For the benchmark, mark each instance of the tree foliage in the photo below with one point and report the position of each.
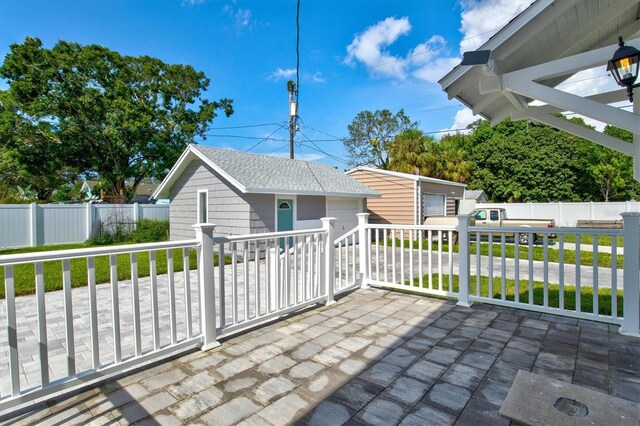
(371, 135)
(90, 109)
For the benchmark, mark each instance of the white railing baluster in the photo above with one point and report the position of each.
(187, 291)
(385, 236)
(135, 301)
(278, 281)
(440, 260)
(411, 258)
(234, 283)
(354, 269)
(155, 321)
(286, 276)
(516, 243)
(256, 286)
(347, 264)
(68, 318)
(305, 262)
(614, 276)
(479, 264)
(450, 240)
(12, 330)
(93, 313)
(561, 270)
(318, 263)
(172, 297)
(43, 343)
(596, 308)
(503, 269)
(339, 251)
(420, 258)
(545, 269)
(245, 270)
(377, 260)
(402, 266)
(430, 252)
(490, 264)
(223, 285)
(268, 278)
(577, 283)
(393, 255)
(530, 269)
(115, 309)
(296, 281)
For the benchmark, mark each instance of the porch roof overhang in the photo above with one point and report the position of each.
(541, 48)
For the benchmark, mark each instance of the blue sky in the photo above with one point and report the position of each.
(355, 55)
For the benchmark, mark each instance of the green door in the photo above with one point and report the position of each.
(285, 219)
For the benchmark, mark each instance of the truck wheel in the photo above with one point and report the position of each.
(523, 238)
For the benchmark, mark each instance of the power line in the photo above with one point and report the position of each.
(245, 126)
(268, 137)
(317, 148)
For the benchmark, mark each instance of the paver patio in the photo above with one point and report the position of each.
(374, 357)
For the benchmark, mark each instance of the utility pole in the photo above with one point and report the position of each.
(293, 114)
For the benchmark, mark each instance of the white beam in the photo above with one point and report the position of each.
(636, 141)
(603, 98)
(616, 144)
(587, 107)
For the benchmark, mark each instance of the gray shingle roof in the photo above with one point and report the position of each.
(262, 173)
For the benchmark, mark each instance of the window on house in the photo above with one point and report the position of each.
(203, 206)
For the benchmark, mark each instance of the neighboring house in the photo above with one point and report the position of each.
(406, 198)
(143, 194)
(245, 193)
(476, 195)
(88, 187)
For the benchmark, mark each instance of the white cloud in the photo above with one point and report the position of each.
(368, 48)
(242, 18)
(424, 52)
(481, 19)
(463, 118)
(589, 82)
(282, 74)
(194, 2)
(435, 70)
(317, 77)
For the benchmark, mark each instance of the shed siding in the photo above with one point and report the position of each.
(397, 202)
(262, 213)
(311, 207)
(228, 208)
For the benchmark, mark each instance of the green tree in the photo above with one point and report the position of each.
(125, 118)
(371, 135)
(411, 152)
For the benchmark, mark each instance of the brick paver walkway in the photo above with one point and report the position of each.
(374, 357)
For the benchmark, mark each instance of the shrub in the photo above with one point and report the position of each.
(150, 231)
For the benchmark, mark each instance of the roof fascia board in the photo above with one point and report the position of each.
(616, 144)
(313, 193)
(501, 37)
(167, 182)
(407, 176)
(219, 170)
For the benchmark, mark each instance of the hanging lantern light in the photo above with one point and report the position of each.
(624, 67)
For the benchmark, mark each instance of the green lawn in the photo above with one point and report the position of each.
(586, 257)
(603, 240)
(586, 293)
(25, 275)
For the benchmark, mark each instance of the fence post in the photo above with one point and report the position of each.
(363, 219)
(136, 215)
(204, 235)
(631, 270)
(464, 260)
(33, 224)
(328, 224)
(89, 216)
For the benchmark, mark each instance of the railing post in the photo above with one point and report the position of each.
(204, 235)
(631, 270)
(365, 245)
(464, 260)
(328, 224)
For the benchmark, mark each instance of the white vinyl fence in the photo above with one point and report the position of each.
(566, 214)
(23, 225)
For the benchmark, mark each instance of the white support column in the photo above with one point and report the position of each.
(328, 224)
(631, 283)
(208, 317)
(365, 245)
(464, 260)
(33, 224)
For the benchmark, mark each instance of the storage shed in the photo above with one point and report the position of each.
(246, 193)
(406, 198)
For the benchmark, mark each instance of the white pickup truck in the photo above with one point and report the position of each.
(496, 217)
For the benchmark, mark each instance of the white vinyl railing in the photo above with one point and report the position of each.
(111, 335)
(407, 257)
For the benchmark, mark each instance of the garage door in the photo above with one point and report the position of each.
(344, 210)
(433, 205)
